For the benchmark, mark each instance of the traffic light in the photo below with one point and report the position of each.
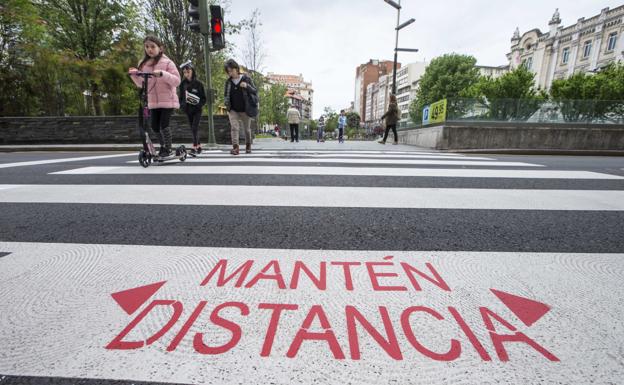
(198, 17)
(193, 16)
(217, 32)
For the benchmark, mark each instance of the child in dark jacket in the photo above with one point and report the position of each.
(192, 99)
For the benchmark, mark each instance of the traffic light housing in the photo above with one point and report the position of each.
(217, 32)
(198, 16)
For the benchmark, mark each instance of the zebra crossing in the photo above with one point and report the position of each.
(311, 265)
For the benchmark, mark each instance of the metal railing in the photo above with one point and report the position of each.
(532, 111)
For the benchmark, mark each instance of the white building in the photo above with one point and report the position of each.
(493, 72)
(407, 83)
(297, 85)
(383, 95)
(587, 46)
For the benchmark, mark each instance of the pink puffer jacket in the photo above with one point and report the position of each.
(161, 91)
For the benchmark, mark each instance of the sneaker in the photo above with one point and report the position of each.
(165, 153)
(382, 142)
(395, 143)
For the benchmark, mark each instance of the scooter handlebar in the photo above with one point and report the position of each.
(145, 74)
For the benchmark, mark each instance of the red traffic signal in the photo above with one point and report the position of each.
(216, 27)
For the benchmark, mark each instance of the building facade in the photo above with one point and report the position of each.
(493, 72)
(378, 93)
(407, 84)
(365, 74)
(587, 46)
(384, 90)
(300, 92)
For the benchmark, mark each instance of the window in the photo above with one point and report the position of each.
(587, 49)
(611, 42)
(528, 63)
(565, 57)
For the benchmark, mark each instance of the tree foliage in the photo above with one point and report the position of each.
(273, 105)
(446, 77)
(584, 98)
(70, 57)
(511, 96)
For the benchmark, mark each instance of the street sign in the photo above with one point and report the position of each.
(437, 112)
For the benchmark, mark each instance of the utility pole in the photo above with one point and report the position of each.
(399, 26)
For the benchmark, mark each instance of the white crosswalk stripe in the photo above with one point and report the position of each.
(351, 171)
(310, 196)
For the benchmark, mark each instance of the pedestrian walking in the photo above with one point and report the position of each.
(192, 99)
(320, 137)
(294, 117)
(342, 124)
(161, 92)
(241, 101)
(392, 118)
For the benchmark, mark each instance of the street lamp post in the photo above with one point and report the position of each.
(399, 26)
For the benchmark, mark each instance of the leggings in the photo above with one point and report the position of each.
(193, 118)
(160, 125)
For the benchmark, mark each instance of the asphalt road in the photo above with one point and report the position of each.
(546, 228)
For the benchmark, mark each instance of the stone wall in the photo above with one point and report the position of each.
(97, 130)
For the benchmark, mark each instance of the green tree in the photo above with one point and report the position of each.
(446, 77)
(353, 120)
(273, 105)
(331, 119)
(87, 29)
(21, 32)
(584, 97)
(512, 96)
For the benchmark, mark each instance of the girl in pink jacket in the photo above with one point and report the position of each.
(161, 89)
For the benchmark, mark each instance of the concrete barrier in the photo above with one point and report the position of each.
(516, 136)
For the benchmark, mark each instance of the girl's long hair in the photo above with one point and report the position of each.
(160, 45)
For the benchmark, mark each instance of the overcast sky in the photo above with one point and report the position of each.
(325, 40)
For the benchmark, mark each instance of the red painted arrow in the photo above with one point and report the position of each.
(132, 299)
(528, 310)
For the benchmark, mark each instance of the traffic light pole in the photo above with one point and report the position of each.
(212, 143)
(209, 28)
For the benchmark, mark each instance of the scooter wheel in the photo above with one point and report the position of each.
(144, 160)
(183, 157)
